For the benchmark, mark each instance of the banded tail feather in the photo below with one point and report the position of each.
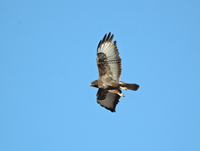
(130, 86)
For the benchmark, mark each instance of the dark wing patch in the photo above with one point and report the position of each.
(102, 64)
(108, 60)
(107, 99)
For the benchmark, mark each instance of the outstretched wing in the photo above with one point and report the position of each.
(107, 99)
(108, 60)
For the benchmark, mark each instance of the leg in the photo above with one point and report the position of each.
(121, 94)
(117, 92)
(124, 88)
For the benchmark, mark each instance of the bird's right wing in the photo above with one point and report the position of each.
(107, 99)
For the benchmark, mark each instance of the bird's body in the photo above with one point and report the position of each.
(109, 66)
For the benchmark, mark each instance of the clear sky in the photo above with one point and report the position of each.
(48, 59)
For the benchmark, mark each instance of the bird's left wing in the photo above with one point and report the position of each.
(108, 60)
(107, 99)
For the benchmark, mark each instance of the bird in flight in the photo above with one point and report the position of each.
(109, 66)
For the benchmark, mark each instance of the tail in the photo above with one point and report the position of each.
(129, 86)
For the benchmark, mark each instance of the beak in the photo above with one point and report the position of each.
(90, 84)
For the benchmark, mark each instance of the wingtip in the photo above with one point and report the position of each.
(108, 37)
(111, 38)
(115, 43)
(112, 110)
(104, 38)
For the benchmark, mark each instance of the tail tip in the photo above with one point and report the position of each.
(137, 86)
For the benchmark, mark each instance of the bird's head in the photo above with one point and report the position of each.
(94, 84)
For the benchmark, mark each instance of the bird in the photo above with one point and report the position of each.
(110, 70)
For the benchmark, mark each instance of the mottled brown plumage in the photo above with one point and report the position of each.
(109, 66)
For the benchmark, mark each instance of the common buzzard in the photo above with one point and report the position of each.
(109, 66)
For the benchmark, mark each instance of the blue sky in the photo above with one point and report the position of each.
(48, 59)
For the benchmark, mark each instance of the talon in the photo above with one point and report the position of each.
(121, 94)
(124, 88)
